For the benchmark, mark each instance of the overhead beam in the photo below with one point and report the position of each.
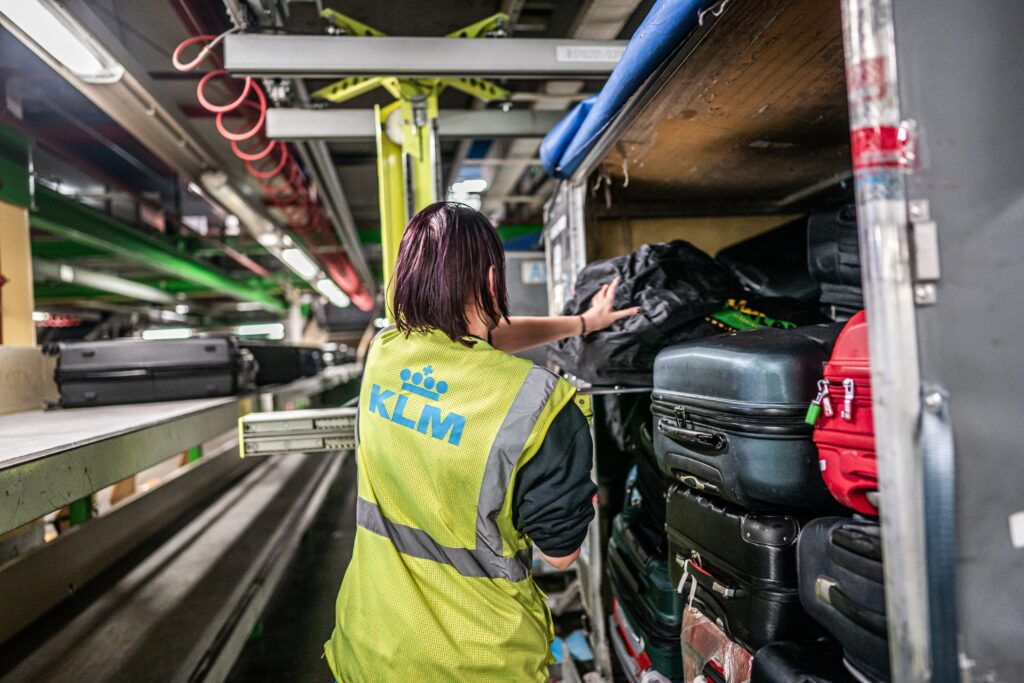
(73, 221)
(64, 272)
(359, 124)
(295, 56)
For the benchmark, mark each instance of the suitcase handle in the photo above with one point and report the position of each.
(706, 440)
(828, 592)
(708, 582)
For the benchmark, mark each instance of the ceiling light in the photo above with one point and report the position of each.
(470, 186)
(181, 309)
(168, 333)
(268, 330)
(300, 262)
(56, 32)
(66, 273)
(333, 293)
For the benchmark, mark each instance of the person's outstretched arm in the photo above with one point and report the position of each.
(552, 502)
(524, 332)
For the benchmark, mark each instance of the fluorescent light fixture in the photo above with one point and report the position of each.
(40, 316)
(333, 293)
(268, 330)
(269, 239)
(168, 333)
(300, 262)
(57, 33)
(469, 186)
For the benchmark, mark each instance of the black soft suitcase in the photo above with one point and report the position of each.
(841, 302)
(744, 565)
(281, 363)
(773, 263)
(833, 250)
(729, 415)
(814, 661)
(841, 585)
(138, 371)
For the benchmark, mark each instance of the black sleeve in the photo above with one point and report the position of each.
(552, 502)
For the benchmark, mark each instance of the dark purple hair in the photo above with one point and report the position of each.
(443, 262)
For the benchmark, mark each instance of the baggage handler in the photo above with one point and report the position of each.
(468, 458)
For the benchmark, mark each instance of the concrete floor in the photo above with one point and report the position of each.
(288, 645)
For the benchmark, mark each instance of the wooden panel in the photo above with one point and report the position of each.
(612, 237)
(756, 113)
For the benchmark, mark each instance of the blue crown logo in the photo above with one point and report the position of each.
(422, 383)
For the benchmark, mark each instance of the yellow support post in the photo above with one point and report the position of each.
(16, 294)
(393, 211)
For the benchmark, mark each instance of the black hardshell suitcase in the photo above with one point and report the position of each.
(281, 363)
(744, 564)
(138, 371)
(773, 263)
(833, 249)
(841, 585)
(814, 661)
(729, 415)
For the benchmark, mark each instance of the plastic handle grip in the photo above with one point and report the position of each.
(704, 440)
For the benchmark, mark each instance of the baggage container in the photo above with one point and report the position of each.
(729, 414)
(281, 363)
(815, 661)
(708, 652)
(99, 373)
(846, 438)
(841, 586)
(739, 566)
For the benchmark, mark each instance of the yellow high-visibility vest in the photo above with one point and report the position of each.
(439, 587)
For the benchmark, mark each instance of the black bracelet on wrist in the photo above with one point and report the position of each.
(583, 326)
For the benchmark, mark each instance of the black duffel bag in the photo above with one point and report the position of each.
(676, 285)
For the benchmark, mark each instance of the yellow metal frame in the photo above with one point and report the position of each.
(408, 174)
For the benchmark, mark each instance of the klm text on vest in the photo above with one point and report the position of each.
(395, 407)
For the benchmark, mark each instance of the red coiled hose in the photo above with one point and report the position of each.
(283, 181)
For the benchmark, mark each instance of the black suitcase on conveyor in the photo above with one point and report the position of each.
(281, 363)
(841, 585)
(729, 415)
(774, 263)
(639, 579)
(816, 661)
(744, 564)
(117, 371)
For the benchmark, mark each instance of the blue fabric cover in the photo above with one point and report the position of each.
(665, 27)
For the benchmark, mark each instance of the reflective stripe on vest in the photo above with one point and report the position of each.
(487, 559)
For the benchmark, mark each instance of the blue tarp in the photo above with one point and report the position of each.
(666, 26)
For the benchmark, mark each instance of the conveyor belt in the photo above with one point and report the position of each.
(184, 611)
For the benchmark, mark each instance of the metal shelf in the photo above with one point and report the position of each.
(51, 458)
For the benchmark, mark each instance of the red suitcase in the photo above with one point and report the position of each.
(846, 437)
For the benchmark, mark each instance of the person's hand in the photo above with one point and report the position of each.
(602, 311)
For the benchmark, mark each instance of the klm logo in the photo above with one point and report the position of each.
(430, 421)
